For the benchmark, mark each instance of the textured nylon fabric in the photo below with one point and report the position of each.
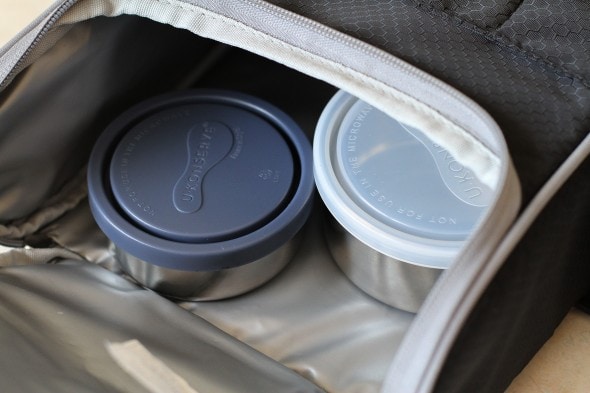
(527, 64)
(557, 31)
(487, 14)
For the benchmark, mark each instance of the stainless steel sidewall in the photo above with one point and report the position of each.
(208, 285)
(396, 283)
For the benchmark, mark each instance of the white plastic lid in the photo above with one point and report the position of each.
(392, 187)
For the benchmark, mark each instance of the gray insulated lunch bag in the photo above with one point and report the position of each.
(291, 196)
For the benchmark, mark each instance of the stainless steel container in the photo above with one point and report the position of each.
(397, 283)
(208, 285)
(202, 192)
(401, 205)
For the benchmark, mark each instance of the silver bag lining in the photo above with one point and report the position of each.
(310, 318)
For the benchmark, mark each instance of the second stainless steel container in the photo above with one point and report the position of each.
(401, 206)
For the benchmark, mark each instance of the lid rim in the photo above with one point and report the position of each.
(175, 172)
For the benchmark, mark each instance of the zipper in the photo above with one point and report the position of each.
(57, 14)
(409, 70)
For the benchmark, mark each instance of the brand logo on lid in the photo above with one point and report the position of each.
(207, 144)
(459, 179)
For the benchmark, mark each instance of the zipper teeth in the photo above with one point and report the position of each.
(408, 69)
(352, 42)
(402, 66)
(331, 34)
(63, 8)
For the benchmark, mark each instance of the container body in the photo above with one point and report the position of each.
(400, 205)
(202, 192)
(207, 285)
(397, 283)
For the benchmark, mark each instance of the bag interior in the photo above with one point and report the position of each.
(309, 318)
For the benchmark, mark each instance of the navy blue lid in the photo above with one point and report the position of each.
(201, 180)
(201, 172)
